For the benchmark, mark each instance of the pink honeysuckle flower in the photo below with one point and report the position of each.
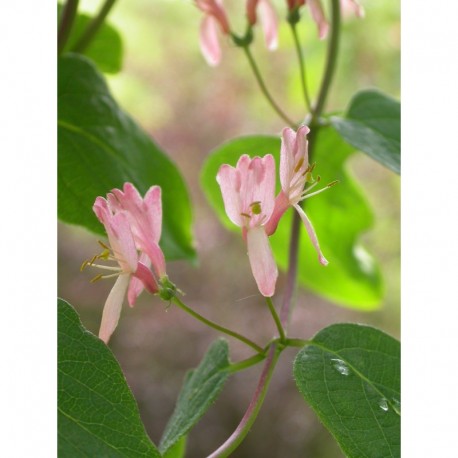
(352, 6)
(316, 10)
(133, 273)
(145, 219)
(295, 173)
(268, 19)
(248, 191)
(215, 16)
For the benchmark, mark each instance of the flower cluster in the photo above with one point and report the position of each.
(133, 225)
(248, 192)
(215, 17)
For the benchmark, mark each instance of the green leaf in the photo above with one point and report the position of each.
(350, 375)
(340, 215)
(178, 450)
(105, 49)
(373, 125)
(97, 414)
(200, 389)
(100, 147)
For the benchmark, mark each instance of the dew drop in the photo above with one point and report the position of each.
(383, 404)
(396, 405)
(340, 366)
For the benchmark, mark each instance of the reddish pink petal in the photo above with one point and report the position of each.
(112, 309)
(312, 234)
(269, 23)
(318, 16)
(251, 11)
(136, 285)
(156, 256)
(281, 205)
(209, 42)
(262, 263)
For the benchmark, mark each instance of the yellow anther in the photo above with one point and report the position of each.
(246, 215)
(103, 245)
(83, 266)
(105, 254)
(333, 183)
(96, 278)
(299, 165)
(256, 208)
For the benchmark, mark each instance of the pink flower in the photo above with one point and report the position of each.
(352, 6)
(295, 173)
(248, 191)
(215, 16)
(268, 18)
(132, 272)
(316, 10)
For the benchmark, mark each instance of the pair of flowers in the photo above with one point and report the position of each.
(248, 192)
(215, 17)
(133, 225)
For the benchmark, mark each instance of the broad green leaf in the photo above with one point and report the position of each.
(200, 389)
(350, 375)
(100, 147)
(340, 215)
(97, 414)
(178, 450)
(373, 125)
(105, 49)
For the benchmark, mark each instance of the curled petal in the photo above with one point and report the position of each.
(316, 10)
(156, 256)
(112, 309)
(122, 242)
(262, 262)
(209, 42)
(281, 205)
(312, 234)
(269, 24)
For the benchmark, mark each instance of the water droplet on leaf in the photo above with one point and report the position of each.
(340, 366)
(383, 404)
(396, 405)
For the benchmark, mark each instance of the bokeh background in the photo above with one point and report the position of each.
(190, 108)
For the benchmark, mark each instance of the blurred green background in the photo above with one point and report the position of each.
(190, 108)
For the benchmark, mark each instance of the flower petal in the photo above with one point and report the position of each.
(209, 42)
(262, 263)
(112, 309)
(229, 181)
(143, 278)
(153, 206)
(269, 24)
(122, 242)
(281, 205)
(312, 234)
(316, 10)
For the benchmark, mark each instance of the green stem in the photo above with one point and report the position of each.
(276, 319)
(246, 363)
(66, 23)
(301, 67)
(331, 58)
(296, 342)
(213, 325)
(93, 27)
(264, 89)
(253, 409)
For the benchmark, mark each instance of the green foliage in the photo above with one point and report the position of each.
(178, 450)
(340, 215)
(105, 49)
(350, 376)
(373, 125)
(100, 147)
(200, 389)
(97, 414)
